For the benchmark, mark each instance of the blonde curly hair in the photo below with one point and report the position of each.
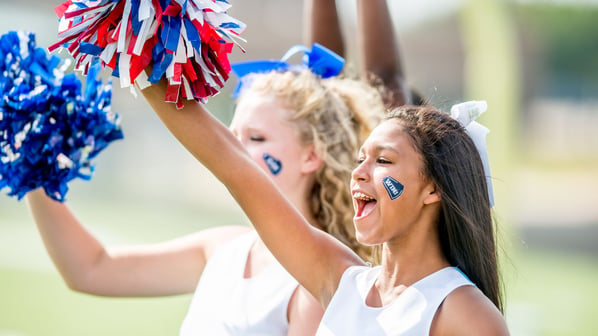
(334, 115)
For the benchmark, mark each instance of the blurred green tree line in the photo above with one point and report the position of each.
(568, 37)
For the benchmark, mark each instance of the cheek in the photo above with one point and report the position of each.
(394, 189)
(273, 164)
(255, 153)
(268, 158)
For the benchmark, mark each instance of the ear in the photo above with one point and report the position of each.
(432, 195)
(311, 160)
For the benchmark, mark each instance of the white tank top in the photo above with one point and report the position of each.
(411, 313)
(225, 303)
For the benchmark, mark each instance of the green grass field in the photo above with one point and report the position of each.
(551, 293)
(35, 301)
(548, 292)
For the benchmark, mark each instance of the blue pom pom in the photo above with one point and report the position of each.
(50, 130)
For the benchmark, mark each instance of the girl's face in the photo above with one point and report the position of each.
(388, 188)
(261, 124)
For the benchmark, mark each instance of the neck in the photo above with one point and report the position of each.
(408, 259)
(405, 267)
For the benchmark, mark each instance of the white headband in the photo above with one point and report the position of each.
(466, 113)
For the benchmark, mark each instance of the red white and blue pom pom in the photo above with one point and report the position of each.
(50, 130)
(186, 41)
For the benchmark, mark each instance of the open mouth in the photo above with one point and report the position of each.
(365, 204)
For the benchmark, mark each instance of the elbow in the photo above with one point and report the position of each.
(78, 284)
(86, 278)
(75, 287)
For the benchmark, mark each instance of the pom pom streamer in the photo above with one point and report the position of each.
(50, 130)
(185, 41)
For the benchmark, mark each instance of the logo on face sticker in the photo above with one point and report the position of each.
(273, 164)
(393, 187)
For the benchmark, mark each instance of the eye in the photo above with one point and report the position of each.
(257, 138)
(382, 160)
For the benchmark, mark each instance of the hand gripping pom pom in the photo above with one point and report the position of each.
(49, 129)
(182, 40)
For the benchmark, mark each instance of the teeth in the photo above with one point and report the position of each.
(362, 196)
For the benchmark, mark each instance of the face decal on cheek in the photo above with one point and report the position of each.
(274, 165)
(393, 187)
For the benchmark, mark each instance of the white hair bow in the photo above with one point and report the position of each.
(466, 113)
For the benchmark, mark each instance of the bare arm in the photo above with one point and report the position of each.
(322, 25)
(313, 257)
(379, 49)
(167, 268)
(467, 311)
(305, 313)
(377, 43)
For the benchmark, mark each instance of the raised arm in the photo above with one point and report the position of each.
(167, 268)
(313, 257)
(379, 49)
(321, 25)
(377, 43)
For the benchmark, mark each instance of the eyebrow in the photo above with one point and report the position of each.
(253, 128)
(381, 148)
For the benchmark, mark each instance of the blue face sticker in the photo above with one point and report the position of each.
(393, 187)
(273, 164)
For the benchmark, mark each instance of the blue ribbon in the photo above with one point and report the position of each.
(319, 59)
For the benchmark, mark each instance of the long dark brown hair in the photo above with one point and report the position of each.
(452, 162)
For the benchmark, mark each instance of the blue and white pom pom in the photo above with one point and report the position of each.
(50, 130)
(185, 41)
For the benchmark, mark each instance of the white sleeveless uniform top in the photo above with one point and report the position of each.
(225, 303)
(411, 313)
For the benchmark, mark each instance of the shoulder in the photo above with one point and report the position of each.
(227, 232)
(359, 274)
(467, 311)
(213, 238)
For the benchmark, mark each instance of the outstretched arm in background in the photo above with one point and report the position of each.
(377, 44)
(379, 49)
(303, 250)
(167, 268)
(321, 25)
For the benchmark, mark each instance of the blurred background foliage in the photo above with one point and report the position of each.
(536, 62)
(569, 39)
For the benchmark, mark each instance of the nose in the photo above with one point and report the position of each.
(360, 172)
(237, 135)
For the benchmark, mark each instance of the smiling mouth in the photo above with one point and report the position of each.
(365, 204)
